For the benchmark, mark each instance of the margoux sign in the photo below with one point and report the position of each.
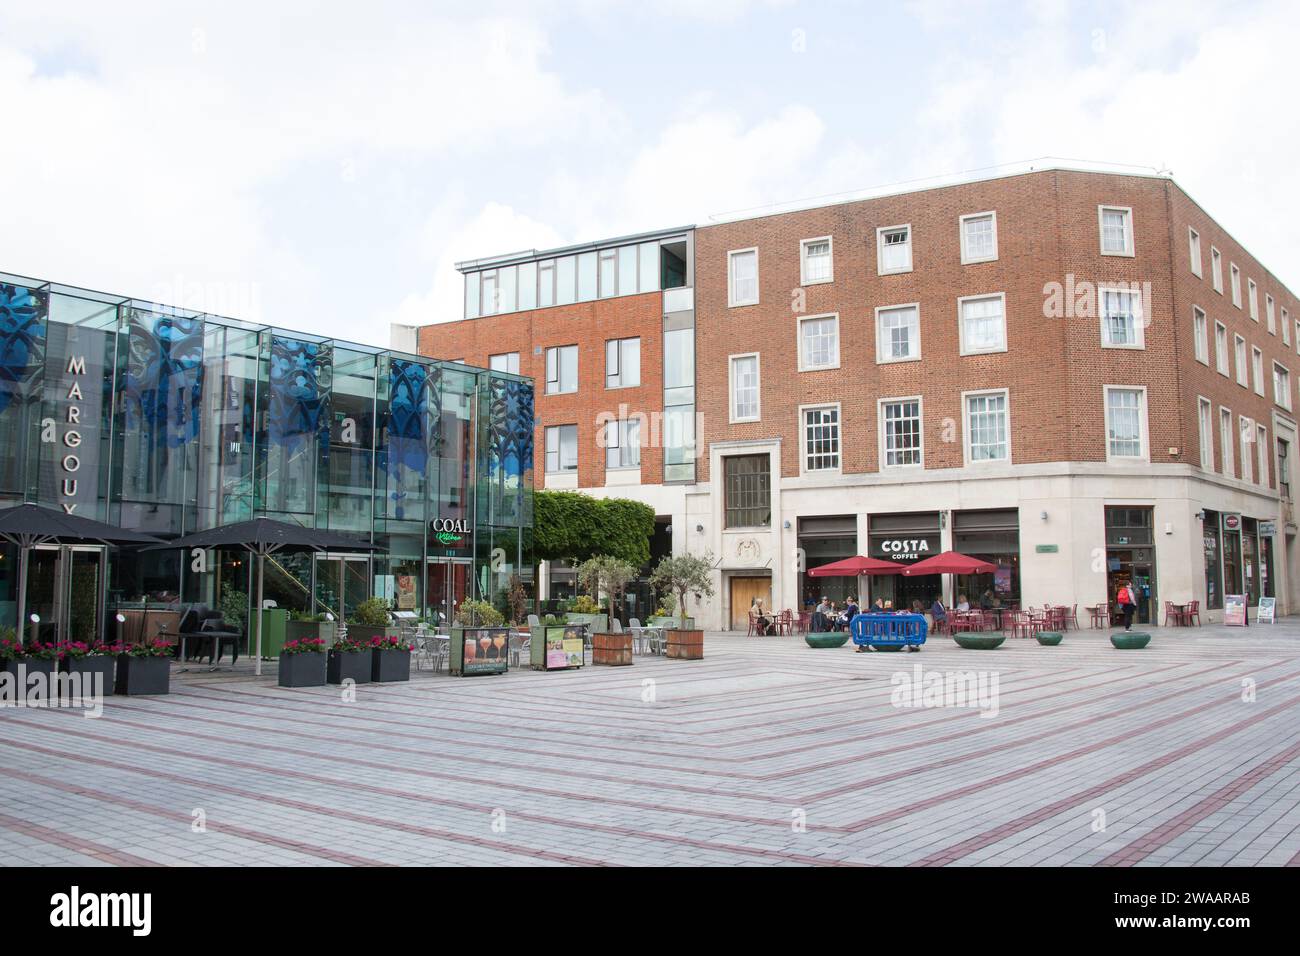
(70, 462)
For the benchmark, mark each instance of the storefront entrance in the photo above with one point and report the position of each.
(743, 592)
(448, 582)
(905, 539)
(66, 590)
(1131, 558)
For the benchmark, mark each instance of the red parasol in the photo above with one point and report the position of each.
(950, 562)
(851, 567)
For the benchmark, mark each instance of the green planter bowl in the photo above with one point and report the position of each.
(1049, 638)
(1130, 640)
(826, 639)
(979, 642)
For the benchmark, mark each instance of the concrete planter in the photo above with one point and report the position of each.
(143, 675)
(827, 639)
(979, 642)
(1130, 640)
(348, 665)
(302, 670)
(88, 667)
(1049, 638)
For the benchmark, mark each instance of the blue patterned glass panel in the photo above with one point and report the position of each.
(297, 423)
(22, 342)
(407, 457)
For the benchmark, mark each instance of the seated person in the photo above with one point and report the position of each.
(821, 616)
(962, 603)
(917, 608)
(938, 613)
(878, 606)
(849, 613)
(986, 600)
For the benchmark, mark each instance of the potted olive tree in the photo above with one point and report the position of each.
(684, 574)
(608, 576)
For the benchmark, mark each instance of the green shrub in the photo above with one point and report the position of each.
(372, 612)
(584, 604)
(479, 614)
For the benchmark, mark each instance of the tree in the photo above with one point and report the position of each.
(606, 574)
(682, 574)
(571, 526)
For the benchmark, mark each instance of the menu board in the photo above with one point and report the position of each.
(1267, 610)
(1234, 610)
(562, 648)
(480, 650)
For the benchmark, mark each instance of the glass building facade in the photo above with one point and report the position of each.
(169, 422)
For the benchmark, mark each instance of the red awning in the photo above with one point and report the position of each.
(950, 562)
(852, 567)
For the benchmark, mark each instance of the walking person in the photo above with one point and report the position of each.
(1127, 603)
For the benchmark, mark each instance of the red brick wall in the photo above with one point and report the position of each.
(587, 325)
(1054, 368)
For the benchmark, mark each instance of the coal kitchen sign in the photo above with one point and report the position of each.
(450, 532)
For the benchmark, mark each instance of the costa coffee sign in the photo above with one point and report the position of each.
(907, 549)
(1231, 522)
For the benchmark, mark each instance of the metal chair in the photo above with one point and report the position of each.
(1193, 613)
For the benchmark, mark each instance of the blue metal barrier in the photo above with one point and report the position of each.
(889, 631)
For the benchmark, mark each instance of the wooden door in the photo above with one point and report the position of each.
(743, 592)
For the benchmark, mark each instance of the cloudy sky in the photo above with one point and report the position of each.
(321, 166)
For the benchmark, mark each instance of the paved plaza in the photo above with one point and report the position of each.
(766, 752)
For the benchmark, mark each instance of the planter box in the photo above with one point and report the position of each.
(596, 623)
(612, 650)
(364, 632)
(302, 670)
(1049, 638)
(139, 676)
(1130, 640)
(827, 639)
(685, 645)
(389, 666)
(979, 642)
(88, 667)
(327, 631)
(23, 670)
(342, 665)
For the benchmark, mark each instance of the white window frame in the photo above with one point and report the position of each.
(1216, 270)
(1227, 442)
(1234, 277)
(507, 356)
(803, 260)
(559, 450)
(1270, 316)
(558, 349)
(1262, 455)
(1194, 251)
(966, 258)
(881, 357)
(621, 429)
(1257, 368)
(803, 439)
(733, 418)
(1139, 318)
(1222, 359)
(621, 363)
(1246, 436)
(881, 450)
(1241, 355)
(963, 347)
(732, 301)
(1284, 398)
(1205, 423)
(880, 249)
(803, 365)
(1129, 245)
(1201, 334)
(966, 430)
(1252, 299)
(1144, 454)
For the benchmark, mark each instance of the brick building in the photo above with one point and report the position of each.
(1078, 376)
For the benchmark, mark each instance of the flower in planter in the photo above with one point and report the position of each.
(37, 651)
(76, 650)
(391, 644)
(148, 649)
(350, 645)
(307, 645)
(11, 650)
